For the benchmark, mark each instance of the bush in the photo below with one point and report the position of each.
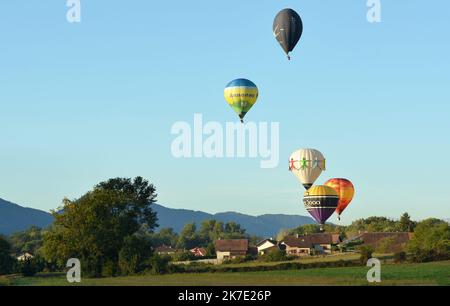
(237, 260)
(399, 257)
(431, 241)
(133, 257)
(183, 256)
(109, 269)
(275, 256)
(366, 252)
(159, 264)
(7, 262)
(28, 267)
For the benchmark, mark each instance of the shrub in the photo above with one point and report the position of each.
(159, 264)
(183, 256)
(109, 269)
(28, 267)
(431, 241)
(274, 256)
(7, 262)
(366, 252)
(399, 257)
(133, 257)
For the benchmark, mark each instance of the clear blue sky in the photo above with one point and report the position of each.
(80, 103)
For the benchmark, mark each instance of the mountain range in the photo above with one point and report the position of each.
(14, 218)
(264, 225)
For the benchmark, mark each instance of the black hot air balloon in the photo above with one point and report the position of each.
(287, 29)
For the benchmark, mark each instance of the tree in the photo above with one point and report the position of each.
(366, 252)
(166, 236)
(372, 224)
(405, 223)
(188, 238)
(142, 195)
(28, 241)
(134, 254)
(95, 227)
(283, 233)
(431, 241)
(234, 230)
(210, 231)
(7, 262)
(30, 266)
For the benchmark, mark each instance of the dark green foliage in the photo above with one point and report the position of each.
(28, 241)
(188, 237)
(282, 266)
(134, 255)
(191, 237)
(7, 262)
(97, 227)
(166, 236)
(275, 256)
(366, 252)
(405, 224)
(400, 257)
(431, 241)
(30, 266)
(159, 264)
(183, 256)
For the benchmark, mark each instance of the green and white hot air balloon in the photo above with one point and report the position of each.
(307, 165)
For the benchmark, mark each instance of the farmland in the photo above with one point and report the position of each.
(436, 273)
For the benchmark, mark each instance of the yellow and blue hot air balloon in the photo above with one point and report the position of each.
(241, 95)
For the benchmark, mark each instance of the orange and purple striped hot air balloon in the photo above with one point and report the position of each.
(345, 190)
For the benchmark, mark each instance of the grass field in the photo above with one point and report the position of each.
(437, 273)
(306, 260)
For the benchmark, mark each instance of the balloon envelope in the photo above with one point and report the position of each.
(241, 95)
(307, 165)
(345, 190)
(321, 202)
(287, 29)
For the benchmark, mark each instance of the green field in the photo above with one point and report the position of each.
(437, 273)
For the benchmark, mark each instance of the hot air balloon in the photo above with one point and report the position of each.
(241, 95)
(307, 165)
(321, 202)
(287, 29)
(345, 190)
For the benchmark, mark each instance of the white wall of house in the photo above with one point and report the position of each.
(221, 256)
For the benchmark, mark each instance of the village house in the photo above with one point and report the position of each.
(321, 243)
(231, 248)
(198, 252)
(24, 257)
(296, 246)
(266, 246)
(165, 250)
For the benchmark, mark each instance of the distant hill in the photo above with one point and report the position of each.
(264, 225)
(15, 218)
